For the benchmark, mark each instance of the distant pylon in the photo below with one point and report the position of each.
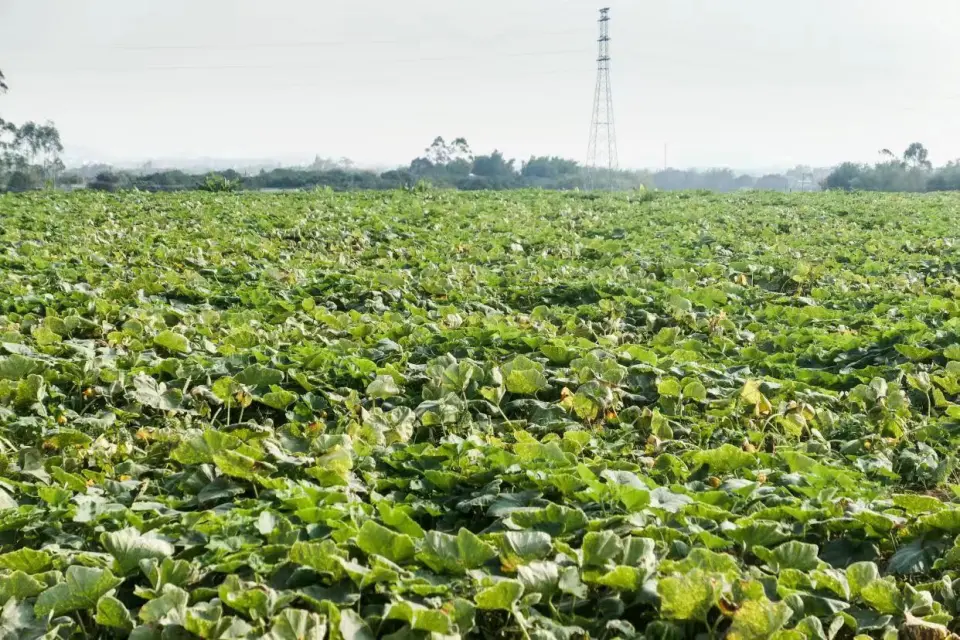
(602, 150)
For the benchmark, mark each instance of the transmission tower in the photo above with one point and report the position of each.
(602, 149)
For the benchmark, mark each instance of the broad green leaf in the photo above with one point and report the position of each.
(17, 367)
(883, 596)
(375, 538)
(523, 376)
(503, 595)
(297, 624)
(669, 387)
(172, 342)
(725, 459)
(128, 547)
(695, 391)
(860, 574)
(759, 620)
(791, 555)
(383, 386)
(600, 548)
(112, 613)
(26, 560)
(156, 395)
(420, 618)
(687, 597)
(539, 577)
(353, 627)
(278, 398)
(915, 352)
(443, 552)
(19, 586)
(553, 519)
(81, 588)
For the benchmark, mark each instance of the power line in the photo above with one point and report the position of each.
(288, 67)
(328, 43)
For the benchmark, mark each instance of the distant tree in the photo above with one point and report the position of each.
(845, 177)
(946, 178)
(27, 150)
(105, 181)
(773, 182)
(441, 153)
(493, 166)
(548, 167)
(24, 180)
(916, 156)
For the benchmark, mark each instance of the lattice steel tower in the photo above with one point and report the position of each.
(602, 149)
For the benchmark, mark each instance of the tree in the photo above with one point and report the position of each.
(493, 166)
(441, 153)
(773, 182)
(28, 151)
(846, 177)
(548, 167)
(916, 156)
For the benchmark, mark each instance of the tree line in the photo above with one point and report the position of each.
(443, 164)
(910, 171)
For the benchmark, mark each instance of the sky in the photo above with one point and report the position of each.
(748, 84)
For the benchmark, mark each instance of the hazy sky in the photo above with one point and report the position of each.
(740, 83)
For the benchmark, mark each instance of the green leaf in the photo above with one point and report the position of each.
(156, 395)
(172, 342)
(17, 367)
(911, 558)
(443, 552)
(523, 546)
(81, 588)
(946, 520)
(7, 501)
(112, 613)
(374, 538)
(257, 375)
(353, 627)
(168, 609)
(914, 352)
(19, 586)
(128, 547)
(759, 620)
(420, 618)
(725, 459)
(695, 391)
(523, 376)
(553, 519)
(26, 560)
(622, 578)
(320, 556)
(791, 555)
(383, 387)
(883, 596)
(30, 390)
(503, 595)
(669, 387)
(297, 624)
(539, 577)
(278, 398)
(600, 547)
(860, 574)
(687, 597)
